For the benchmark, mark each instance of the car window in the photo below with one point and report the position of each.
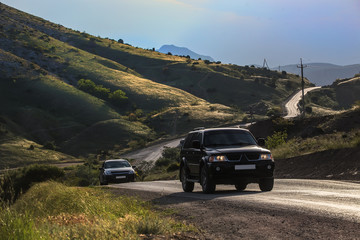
(190, 138)
(119, 164)
(187, 143)
(228, 138)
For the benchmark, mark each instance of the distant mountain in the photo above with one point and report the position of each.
(183, 51)
(323, 74)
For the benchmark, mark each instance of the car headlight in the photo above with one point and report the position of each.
(266, 156)
(107, 172)
(131, 172)
(219, 158)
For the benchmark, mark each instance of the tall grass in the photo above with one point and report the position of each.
(299, 146)
(52, 210)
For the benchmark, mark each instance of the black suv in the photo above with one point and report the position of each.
(225, 156)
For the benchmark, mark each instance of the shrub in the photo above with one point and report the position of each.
(90, 87)
(173, 167)
(132, 117)
(169, 156)
(15, 182)
(118, 97)
(274, 112)
(50, 145)
(275, 140)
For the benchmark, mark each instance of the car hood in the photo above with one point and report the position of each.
(231, 149)
(124, 169)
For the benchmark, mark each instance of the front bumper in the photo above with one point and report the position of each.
(234, 172)
(119, 178)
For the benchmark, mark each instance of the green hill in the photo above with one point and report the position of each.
(341, 95)
(41, 64)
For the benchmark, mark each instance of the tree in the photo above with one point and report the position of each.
(121, 41)
(118, 97)
(89, 86)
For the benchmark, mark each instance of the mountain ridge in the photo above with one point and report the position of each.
(182, 51)
(323, 74)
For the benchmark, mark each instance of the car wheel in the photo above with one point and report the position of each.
(241, 186)
(186, 185)
(207, 184)
(102, 181)
(266, 184)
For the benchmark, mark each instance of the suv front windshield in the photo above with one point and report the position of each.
(119, 164)
(228, 138)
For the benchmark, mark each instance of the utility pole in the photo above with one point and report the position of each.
(265, 65)
(302, 85)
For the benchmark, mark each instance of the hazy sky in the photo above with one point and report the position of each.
(232, 31)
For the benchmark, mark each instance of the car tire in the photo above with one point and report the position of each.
(241, 186)
(266, 184)
(103, 182)
(207, 184)
(186, 185)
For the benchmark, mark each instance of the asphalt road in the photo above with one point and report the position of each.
(292, 105)
(325, 198)
(152, 153)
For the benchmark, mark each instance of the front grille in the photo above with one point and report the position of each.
(119, 172)
(252, 156)
(233, 156)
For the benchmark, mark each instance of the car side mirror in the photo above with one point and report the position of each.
(261, 142)
(133, 167)
(182, 142)
(196, 144)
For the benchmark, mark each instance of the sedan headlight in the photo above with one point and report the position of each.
(219, 158)
(266, 156)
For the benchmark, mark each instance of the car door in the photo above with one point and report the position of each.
(195, 154)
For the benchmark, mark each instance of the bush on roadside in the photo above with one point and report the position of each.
(15, 182)
(275, 140)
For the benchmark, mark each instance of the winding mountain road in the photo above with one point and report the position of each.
(291, 106)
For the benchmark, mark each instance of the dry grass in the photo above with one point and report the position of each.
(19, 152)
(53, 211)
(299, 146)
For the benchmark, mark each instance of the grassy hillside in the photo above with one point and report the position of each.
(42, 63)
(341, 95)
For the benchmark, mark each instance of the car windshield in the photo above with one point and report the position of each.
(228, 138)
(117, 164)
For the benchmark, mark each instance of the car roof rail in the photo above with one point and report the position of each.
(198, 128)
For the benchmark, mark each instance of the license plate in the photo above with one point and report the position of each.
(245, 167)
(120, 177)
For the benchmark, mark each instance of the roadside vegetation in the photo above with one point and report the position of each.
(291, 138)
(302, 146)
(37, 202)
(165, 168)
(51, 210)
